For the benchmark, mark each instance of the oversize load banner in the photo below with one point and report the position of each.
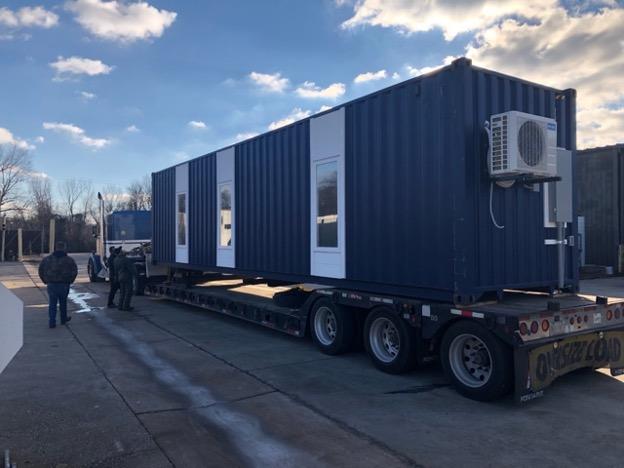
(548, 362)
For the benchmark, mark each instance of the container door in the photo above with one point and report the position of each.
(181, 190)
(327, 197)
(225, 209)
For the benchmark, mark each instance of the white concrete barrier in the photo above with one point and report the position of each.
(11, 326)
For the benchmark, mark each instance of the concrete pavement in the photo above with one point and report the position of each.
(171, 385)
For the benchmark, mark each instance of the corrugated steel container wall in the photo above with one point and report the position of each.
(163, 219)
(399, 194)
(202, 211)
(273, 202)
(515, 256)
(600, 188)
(416, 192)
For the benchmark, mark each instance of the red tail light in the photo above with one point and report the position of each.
(545, 325)
(534, 327)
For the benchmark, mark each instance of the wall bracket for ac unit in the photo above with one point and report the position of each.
(526, 178)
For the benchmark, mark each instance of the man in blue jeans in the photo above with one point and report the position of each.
(58, 271)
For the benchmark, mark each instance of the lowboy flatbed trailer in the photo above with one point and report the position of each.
(521, 342)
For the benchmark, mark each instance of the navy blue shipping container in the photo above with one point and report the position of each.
(387, 193)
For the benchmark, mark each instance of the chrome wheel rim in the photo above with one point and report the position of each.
(325, 325)
(470, 360)
(384, 339)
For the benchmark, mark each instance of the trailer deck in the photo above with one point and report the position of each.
(531, 324)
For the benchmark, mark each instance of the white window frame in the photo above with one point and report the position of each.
(327, 144)
(219, 189)
(313, 169)
(182, 187)
(185, 245)
(226, 160)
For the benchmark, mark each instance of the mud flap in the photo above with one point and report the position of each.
(523, 391)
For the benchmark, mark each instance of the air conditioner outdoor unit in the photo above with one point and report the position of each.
(522, 144)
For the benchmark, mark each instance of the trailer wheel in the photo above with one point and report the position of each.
(332, 327)
(390, 342)
(479, 365)
(91, 272)
(138, 285)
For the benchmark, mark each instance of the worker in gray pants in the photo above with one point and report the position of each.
(126, 273)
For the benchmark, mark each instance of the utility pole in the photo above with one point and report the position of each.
(52, 234)
(20, 245)
(3, 236)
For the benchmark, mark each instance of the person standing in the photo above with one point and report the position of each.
(58, 271)
(112, 276)
(126, 272)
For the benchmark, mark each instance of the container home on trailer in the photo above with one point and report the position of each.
(388, 193)
(600, 188)
(434, 218)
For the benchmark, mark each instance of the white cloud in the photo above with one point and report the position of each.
(74, 66)
(582, 51)
(120, 20)
(245, 136)
(133, 129)
(180, 156)
(28, 17)
(324, 108)
(396, 76)
(7, 138)
(580, 47)
(87, 96)
(370, 76)
(452, 18)
(296, 114)
(415, 71)
(197, 125)
(38, 175)
(77, 134)
(274, 83)
(39, 139)
(310, 90)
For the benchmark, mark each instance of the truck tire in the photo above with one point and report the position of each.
(478, 364)
(390, 342)
(138, 286)
(332, 327)
(91, 271)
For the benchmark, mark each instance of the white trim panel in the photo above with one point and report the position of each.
(226, 255)
(11, 326)
(327, 145)
(181, 187)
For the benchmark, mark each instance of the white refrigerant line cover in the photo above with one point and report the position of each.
(226, 255)
(182, 187)
(327, 144)
(11, 326)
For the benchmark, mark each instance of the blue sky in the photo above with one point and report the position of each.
(142, 72)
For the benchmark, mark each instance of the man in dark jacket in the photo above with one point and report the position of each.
(126, 272)
(112, 276)
(58, 271)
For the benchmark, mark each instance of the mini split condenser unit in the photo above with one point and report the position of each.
(522, 144)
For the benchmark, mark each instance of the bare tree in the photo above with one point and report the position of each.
(114, 199)
(140, 194)
(71, 192)
(15, 164)
(41, 198)
(89, 204)
(147, 191)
